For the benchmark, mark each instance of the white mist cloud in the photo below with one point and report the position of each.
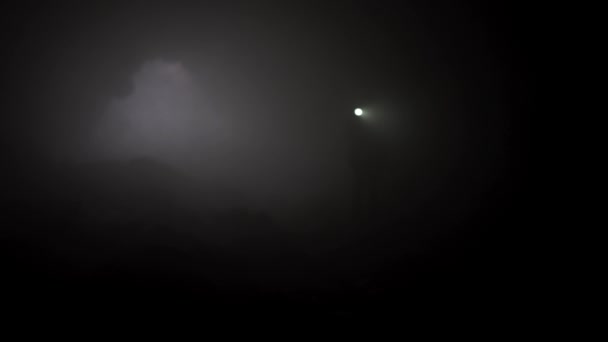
(168, 117)
(164, 117)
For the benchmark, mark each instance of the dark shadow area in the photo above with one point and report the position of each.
(140, 233)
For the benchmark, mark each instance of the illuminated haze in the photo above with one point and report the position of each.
(260, 104)
(168, 117)
(318, 158)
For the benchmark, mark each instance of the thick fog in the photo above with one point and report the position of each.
(168, 117)
(161, 119)
(214, 145)
(257, 101)
(256, 105)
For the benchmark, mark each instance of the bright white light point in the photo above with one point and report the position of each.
(358, 112)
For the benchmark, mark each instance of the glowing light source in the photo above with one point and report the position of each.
(358, 112)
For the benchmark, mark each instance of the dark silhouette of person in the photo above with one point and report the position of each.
(365, 161)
